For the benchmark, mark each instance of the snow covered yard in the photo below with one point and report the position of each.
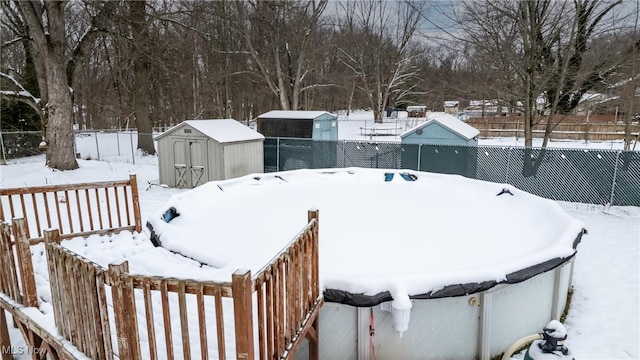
(603, 321)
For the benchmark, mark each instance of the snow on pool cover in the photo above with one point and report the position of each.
(382, 237)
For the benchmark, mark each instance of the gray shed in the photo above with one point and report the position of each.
(317, 125)
(197, 151)
(442, 129)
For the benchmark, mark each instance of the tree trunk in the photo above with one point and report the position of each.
(59, 130)
(141, 74)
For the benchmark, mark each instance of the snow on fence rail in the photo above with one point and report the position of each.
(76, 210)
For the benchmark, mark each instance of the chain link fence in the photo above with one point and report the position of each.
(17, 144)
(575, 175)
(595, 176)
(104, 145)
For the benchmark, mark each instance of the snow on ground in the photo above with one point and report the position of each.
(603, 321)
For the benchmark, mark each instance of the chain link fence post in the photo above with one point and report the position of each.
(118, 140)
(4, 157)
(277, 154)
(344, 153)
(615, 174)
(133, 153)
(506, 176)
(95, 135)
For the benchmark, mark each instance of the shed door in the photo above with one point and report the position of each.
(180, 165)
(189, 161)
(197, 160)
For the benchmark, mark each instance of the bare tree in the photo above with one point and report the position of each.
(276, 35)
(377, 41)
(50, 40)
(540, 46)
(632, 84)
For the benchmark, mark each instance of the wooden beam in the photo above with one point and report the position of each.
(25, 263)
(243, 313)
(136, 203)
(63, 348)
(120, 310)
(5, 340)
(52, 188)
(308, 329)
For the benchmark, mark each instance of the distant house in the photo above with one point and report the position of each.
(589, 102)
(452, 107)
(197, 151)
(317, 125)
(417, 111)
(482, 108)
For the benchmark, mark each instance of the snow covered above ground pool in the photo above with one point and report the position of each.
(402, 236)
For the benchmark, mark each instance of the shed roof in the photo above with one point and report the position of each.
(221, 130)
(449, 121)
(293, 114)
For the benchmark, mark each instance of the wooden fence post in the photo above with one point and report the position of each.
(25, 263)
(5, 341)
(242, 289)
(314, 331)
(124, 312)
(8, 273)
(136, 202)
(53, 237)
(315, 263)
(313, 214)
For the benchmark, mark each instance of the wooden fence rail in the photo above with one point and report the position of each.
(76, 210)
(514, 127)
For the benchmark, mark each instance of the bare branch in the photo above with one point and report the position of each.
(11, 42)
(21, 94)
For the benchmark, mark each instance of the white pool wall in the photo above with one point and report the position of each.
(477, 326)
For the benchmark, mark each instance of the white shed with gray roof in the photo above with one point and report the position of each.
(197, 151)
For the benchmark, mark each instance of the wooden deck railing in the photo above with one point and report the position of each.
(287, 293)
(75, 210)
(18, 291)
(147, 312)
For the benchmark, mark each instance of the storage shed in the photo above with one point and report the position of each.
(451, 107)
(317, 125)
(445, 144)
(442, 129)
(197, 151)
